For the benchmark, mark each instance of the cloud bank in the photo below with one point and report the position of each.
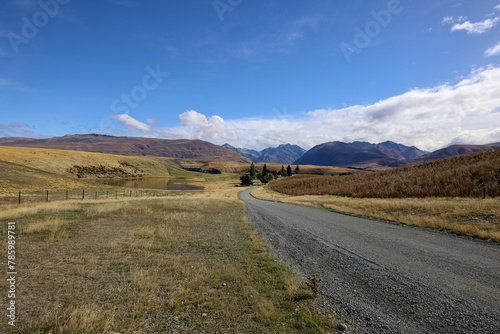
(429, 118)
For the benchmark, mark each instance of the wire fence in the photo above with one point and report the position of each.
(22, 197)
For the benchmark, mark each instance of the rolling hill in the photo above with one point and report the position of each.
(473, 175)
(132, 146)
(456, 150)
(25, 168)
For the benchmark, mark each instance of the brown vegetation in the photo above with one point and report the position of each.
(189, 264)
(473, 175)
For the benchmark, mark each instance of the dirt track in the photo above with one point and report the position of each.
(384, 277)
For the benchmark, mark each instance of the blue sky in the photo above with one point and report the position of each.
(253, 73)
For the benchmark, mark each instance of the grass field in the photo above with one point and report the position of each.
(181, 264)
(479, 218)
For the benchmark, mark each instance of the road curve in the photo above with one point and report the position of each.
(385, 277)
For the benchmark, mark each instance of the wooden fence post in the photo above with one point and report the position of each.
(83, 194)
(67, 197)
(19, 197)
(47, 195)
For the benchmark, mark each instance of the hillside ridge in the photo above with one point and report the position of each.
(132, 146)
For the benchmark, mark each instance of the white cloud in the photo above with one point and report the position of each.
(477, 28)
(493, 51)
(497, 7)
(194, 125)
(452, 19)
(130, 123)
(16, 129)
(429, 118)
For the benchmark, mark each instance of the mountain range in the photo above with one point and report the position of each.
(284, 154)
(132, 146)
(357, 154)
(386, 154)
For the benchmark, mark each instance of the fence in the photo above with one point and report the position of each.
(65, 195)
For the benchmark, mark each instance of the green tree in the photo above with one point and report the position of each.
(297, 170)
(265, 170)
(265, 178)
(246, 180)
(289, 171)
(253, 173)
(283, 173)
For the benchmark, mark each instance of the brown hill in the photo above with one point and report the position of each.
(473, 175)
(456, 150)
(132, 146)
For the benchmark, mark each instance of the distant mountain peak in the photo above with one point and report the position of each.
(284, 153)
(358, 153)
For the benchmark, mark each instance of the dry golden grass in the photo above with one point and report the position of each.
(182, 264)
(465, 216)
(461, 176)
(40, 169)
(238, 167)
(307, 169)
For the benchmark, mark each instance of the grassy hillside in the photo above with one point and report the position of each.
(133, 146)
(35, 169)
(186, 264)
(462, 176)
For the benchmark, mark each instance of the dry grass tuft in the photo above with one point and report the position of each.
(54, 229)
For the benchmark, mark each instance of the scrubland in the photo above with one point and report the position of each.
(180, 264)
(472, 175)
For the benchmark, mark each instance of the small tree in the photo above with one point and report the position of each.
(246, 180)
(283, 172)
(253, 173)
(265, 170)
(297, 170)
(289, 171)
(265, 178)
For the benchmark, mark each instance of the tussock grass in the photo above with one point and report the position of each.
(461, 176)
(54, 229)
(185, 264)
(473, 217)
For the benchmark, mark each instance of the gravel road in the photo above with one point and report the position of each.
(384, 277)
